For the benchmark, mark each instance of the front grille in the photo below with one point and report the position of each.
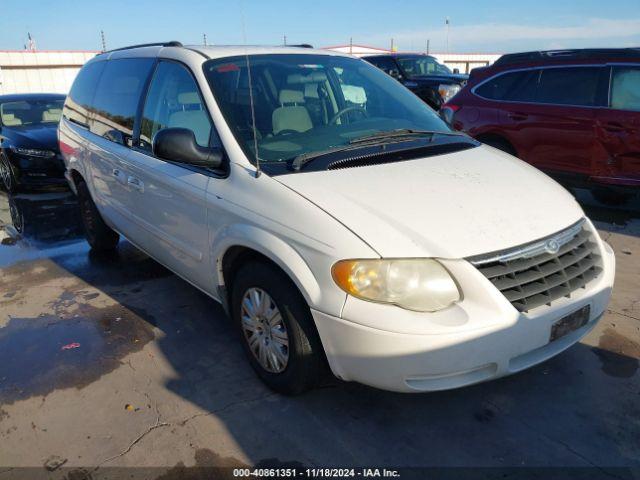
(530, 276)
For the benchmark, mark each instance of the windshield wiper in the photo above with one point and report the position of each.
(400, 132)
(368, 140)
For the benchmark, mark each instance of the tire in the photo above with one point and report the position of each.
(500, 144)
(100, 236)
(610, 197)
(7, 176)
(304, 365)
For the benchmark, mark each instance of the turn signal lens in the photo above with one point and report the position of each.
(422, 285)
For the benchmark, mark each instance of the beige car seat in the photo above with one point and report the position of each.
(192, 118)
(10, 120)
(51, 115)
(292, 114)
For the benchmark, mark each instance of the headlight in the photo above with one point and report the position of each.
(423, 285)
(448, 91)
(33, 152)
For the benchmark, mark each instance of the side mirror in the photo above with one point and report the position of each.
(456, 71)
(179, 145)
(395, 73)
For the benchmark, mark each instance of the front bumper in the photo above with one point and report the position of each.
(481, 338)
(36, 172)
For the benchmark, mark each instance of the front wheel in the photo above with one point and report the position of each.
(99, 235)
(276, 329)
(7, 176)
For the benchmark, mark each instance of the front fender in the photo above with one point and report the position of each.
(272, 247)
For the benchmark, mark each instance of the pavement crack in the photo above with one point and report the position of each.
(624, 314)
(556, 440)
(156, 425)
(183, 422)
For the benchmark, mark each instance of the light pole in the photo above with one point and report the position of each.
(447, 23)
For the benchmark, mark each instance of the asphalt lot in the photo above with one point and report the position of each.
(114, 361)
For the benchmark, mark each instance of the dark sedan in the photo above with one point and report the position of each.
(29, 153)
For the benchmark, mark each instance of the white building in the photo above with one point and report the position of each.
(464, 62)
(23, 71)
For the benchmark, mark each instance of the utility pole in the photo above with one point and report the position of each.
(351, 45)
(284, 40)
(428, 46)
(392, 44)
(447, 23)
(204, 39)
(104, 42)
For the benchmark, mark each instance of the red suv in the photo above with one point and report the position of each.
(574, 114)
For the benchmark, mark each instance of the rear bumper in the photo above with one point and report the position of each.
(408, 362)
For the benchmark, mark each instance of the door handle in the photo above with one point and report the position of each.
(135, 183)
(614, 127)
(518, 116)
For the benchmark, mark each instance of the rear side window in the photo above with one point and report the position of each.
(513, 86)
(625, 88)
(80, 98)
(117, 98)
(174, 101)
(569, 86)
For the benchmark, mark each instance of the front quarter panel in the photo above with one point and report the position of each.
(262, 214)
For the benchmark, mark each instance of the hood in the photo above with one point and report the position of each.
(448, 206)
(34, 136)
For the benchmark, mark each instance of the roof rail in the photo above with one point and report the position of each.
(172, 43)
(577, 53)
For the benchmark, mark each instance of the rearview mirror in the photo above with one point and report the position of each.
(179, 145)
(395, 73)
(456, 70)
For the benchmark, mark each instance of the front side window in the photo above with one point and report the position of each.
(569, 86)
(174, 101)
(117, 97)
(385, 64)
(422, 65)
(310, 103)
(625, 88)
(31, 112)
(514, 86)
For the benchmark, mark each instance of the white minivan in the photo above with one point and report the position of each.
(335, 216)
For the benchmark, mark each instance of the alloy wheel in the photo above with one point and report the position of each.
(5, 174)
(264, 330)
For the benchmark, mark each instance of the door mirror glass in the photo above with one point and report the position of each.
(180, 145)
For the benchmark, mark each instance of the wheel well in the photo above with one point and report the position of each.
(77, 179)
(237, 256)
(493, 138)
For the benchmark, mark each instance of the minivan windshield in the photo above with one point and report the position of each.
(417, 66)
(30, 112)
(311, 103)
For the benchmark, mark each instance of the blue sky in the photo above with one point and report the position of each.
(476, 26)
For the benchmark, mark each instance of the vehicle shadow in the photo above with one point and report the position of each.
(574, 410)
(610, 218)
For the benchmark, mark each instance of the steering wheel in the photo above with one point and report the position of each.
(335, 118)
(287, 131)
